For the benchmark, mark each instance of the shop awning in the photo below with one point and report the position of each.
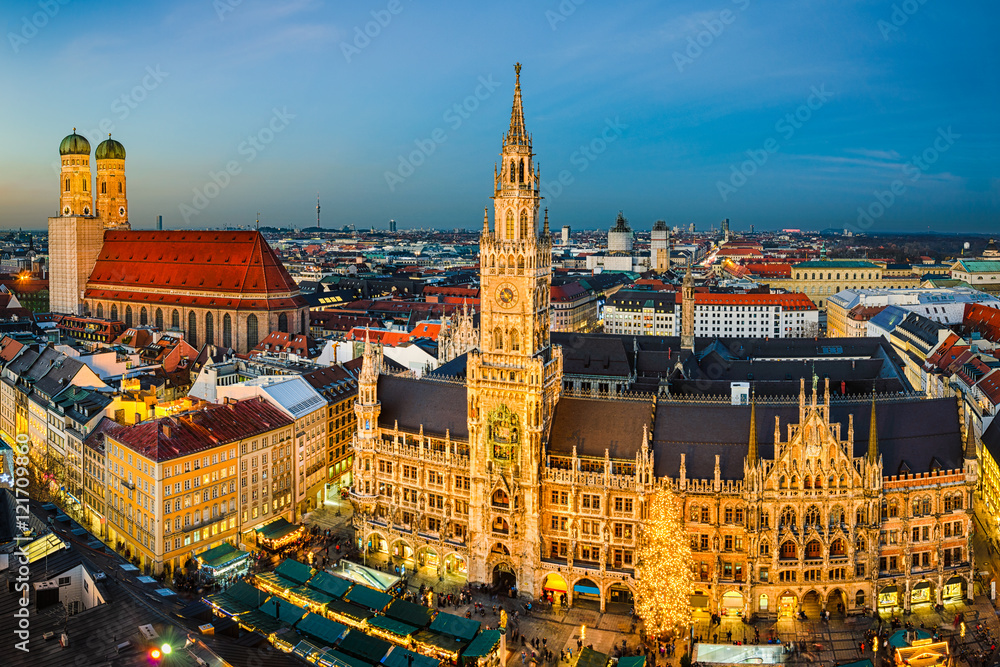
(699, 600)
(292, 569)
(586, 590)
(889, 590)
(339, 607)
(954, 580)
(220, 556)
(922, 584)
(391, 625)
(321, 629)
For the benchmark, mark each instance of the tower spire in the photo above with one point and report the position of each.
(545, 228)
(752, 449)
(486, 221)
(873, 435)
(517, 134)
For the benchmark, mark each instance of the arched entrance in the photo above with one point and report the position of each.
(456, 565)
(811, 605)
(953, 589)
(888, 598)
(732, 603)
(555, 589)
(401, 554)
(504, 579)
(922, 593)
(427, 559)
(620, 593)
(836, 603)
(788, 604)
(586, 593)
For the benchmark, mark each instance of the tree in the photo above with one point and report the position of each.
(663, 571)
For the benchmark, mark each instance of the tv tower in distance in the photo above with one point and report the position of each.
(317, 210)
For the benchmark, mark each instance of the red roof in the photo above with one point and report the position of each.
(298, 344)
(990, 386)
(772, 270)
(9, 348)
(794, 301)
(983, 319)
(240, 264)
(426, 330)
(190, 432)
(381, 336)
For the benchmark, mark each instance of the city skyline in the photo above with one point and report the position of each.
(679, 114)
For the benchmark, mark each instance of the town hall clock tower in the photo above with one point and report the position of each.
(514, 378)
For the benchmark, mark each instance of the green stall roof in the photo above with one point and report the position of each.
(321, 629)
(368, 597)
(276, 580)
(588, 657)
(338, 659)
(221, 555)
(292, 569)
(239, 598)
(357, 612)
(632, 661)
(330, 584)
(485, 643)
(283, 610)
(398, 657)
(455, 626)
(277, 529)
(367, 648)
(410, 613)
(392, 625)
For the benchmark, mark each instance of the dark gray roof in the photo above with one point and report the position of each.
(921, 434)
(454, 368)
(595, 355)
(438, 406)
(991, 439)
(593, 425)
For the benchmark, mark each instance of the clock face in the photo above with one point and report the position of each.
(121, 211)
(507, 295)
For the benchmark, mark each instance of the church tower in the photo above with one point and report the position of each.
(112, 200)
(75, 233)
(514, 378)
(75, 197)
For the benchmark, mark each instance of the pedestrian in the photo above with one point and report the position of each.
(523, 657)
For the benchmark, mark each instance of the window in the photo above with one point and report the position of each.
(788, 550)
(252, 337)
(227, 330)
(192, 329)
(209, 329)
(814, 550)
(591, 501)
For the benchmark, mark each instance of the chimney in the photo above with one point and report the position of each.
(165, 429)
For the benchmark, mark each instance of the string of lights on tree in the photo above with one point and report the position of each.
(664, 568)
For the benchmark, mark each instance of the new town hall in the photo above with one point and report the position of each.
(527, 461)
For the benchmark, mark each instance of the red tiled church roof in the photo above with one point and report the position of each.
(238, 263)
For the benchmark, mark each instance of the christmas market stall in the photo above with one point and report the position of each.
(223, 563)
(588, 657)
(237, 600)
(486, 650)
(364, 647)
(401, 657)
(278, 534)
(447, 636)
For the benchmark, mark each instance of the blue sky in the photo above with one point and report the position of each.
(778, 114)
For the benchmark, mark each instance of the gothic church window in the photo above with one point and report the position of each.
(175, 320)
(252, 339)
(143, 316)
(515, 345)
(513, 172)
(192, 329)
(524, 227)
(114, 311)
(520, 172)
(283, 323)
(209, 329)
(227, 330)
(509, 224)
(100, 311)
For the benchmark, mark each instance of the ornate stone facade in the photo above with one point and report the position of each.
(509, 481)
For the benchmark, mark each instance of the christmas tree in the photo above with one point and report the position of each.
(663, 570)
